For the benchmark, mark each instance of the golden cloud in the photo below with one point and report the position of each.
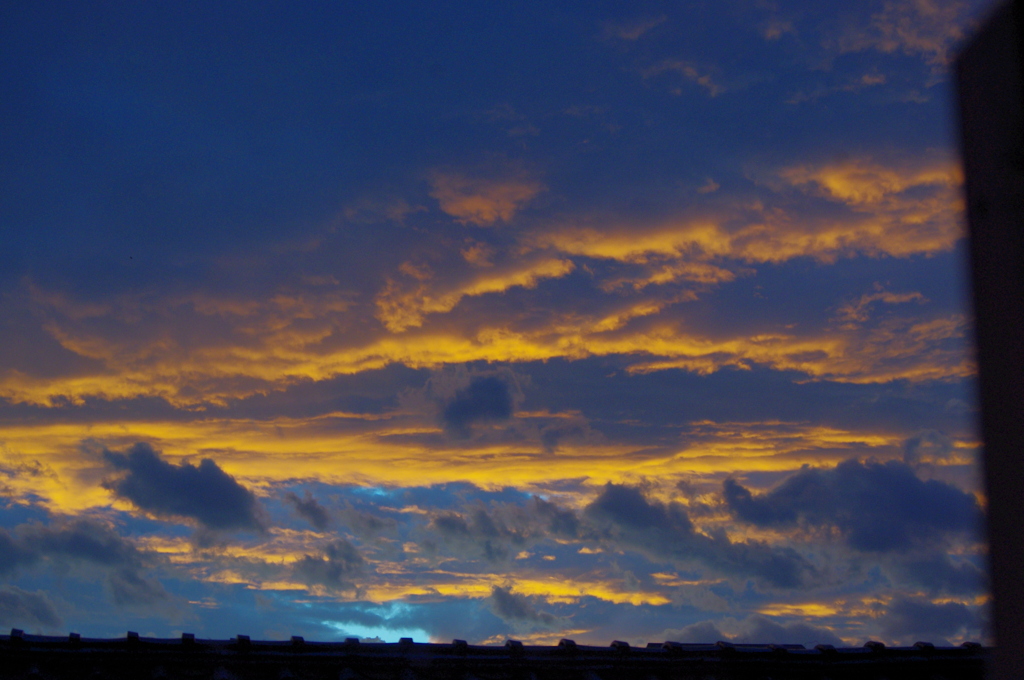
(203, 348)
(401, 305)
(188, 368)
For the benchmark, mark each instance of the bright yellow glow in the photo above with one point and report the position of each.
(340, 449)
(806, 609)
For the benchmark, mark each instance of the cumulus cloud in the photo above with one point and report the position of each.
(336, 566)
(309, 509)
(205, 493)
(876, 506)
(520, 611)
(665, 532)
(485, 399)
(23, 609)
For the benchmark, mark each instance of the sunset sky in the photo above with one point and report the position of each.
(641, 321)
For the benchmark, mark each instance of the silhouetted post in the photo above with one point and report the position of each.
(991, 94)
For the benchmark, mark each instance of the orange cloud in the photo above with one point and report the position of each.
(853, 313)
(401, 306)
(926, 28)
(353, 449)
(482, 201)
(866, 185)
(188, 368)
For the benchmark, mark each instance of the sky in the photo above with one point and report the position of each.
(608, 321)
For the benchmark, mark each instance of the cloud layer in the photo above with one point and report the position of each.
(547, 320)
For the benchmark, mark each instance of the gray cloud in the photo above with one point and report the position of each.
(665, 532)
(85, 541)
(877, 506)
(485, 399)
(80, 539)
(366, 524)
(129, 587)
(24, 609)
(922, 619)
(334, 568)
(490, 535)
(204, 493)
(757, 629)
(557, 520)
(519, 610)
(931, 443)
(309, 509)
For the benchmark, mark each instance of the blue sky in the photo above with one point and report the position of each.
(634, 321)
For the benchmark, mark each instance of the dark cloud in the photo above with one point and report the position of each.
(485, 399)
(366, 524)
(921, 619)
(877, 506)
(334, 568)
(82, 540)
(519, 610)
(559, 522)
(205, 493)
(88, 542)
(22, 609)
(13, 554)
(492, 533)
(939, 574)
(309, 509)
(665, 532)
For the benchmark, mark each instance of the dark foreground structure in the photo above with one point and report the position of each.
(990, 75)
(24, 657)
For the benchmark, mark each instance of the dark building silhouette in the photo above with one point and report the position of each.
(24, 657)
